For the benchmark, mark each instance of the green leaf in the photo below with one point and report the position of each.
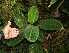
(41, 37)
(31, 33)
(53, 1)
(35, 48)
(14, 41)
(33, 14)
(19, 19)
(50, 24)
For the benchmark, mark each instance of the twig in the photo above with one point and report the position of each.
(60, 4)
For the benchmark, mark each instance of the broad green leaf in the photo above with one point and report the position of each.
(50, 24)
(53, 1)
(14, 41)
(31, 33)
(35, 48)
(33, 14)
(41, 37)
(19, 19)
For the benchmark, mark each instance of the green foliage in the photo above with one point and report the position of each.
(61, 45)
(18, 48)
(65, 6)
(41, 37)
(35, 48)
(13, 2)
(1, 23)
(50, 24)
(53, 1)
(19, 19)
(28, 15)
(1, 51)
(5, 10)
(33, 14)
(31, 33)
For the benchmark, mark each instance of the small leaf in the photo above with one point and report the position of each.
(50, 24)
(53, 1)
(41, 37)
(31, 33)
(33, 14)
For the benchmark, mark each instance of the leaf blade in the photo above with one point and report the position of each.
(33, 14)
(31, 33)
(50, 24)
